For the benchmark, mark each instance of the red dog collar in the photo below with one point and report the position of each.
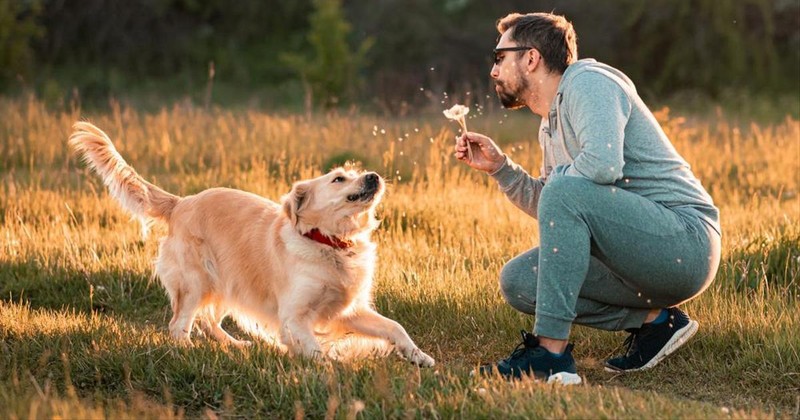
(327, 240)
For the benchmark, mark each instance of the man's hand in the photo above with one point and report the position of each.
(486, 156)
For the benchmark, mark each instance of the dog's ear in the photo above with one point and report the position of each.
(294, 201)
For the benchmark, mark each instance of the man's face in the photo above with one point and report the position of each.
(508, 73)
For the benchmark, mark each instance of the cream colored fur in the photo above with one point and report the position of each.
(229, 252)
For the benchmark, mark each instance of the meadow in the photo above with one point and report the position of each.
(83, 322)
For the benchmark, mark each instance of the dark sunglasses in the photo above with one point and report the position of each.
(496, 51)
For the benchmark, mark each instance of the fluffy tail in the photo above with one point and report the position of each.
(141, 198)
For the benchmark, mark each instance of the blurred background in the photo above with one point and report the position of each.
(383, 56)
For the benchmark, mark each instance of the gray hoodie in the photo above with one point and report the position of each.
(600, 129)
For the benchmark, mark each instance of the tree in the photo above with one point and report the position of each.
(18, 28)
(330, 75)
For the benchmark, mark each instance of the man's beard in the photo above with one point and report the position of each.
(512, 100)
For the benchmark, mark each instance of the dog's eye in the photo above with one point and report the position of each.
(338, 179)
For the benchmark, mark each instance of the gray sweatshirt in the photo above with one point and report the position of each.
(600, 129)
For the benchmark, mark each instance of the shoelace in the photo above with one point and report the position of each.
(528, 341)
(630, 343)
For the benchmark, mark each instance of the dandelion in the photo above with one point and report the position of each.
(458, 113)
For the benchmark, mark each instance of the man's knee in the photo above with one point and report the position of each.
(559, 185)
(561, 192)
(518, 280)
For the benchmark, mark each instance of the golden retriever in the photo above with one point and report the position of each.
(298, 269)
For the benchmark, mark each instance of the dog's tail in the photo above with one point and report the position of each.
(141, 198)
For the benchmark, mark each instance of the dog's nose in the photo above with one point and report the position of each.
(371, 178)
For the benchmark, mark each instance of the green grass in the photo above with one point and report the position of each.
(83, 323)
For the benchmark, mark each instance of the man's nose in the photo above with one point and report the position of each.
(495, 73)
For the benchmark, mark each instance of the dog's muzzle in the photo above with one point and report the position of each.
(371, 185)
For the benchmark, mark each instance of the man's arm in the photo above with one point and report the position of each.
(598, 110)
(522, 189)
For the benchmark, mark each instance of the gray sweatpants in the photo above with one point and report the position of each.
(606, 258)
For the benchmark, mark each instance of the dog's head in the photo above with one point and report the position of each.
(340, 203)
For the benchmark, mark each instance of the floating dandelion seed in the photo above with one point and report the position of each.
(552, 223)
(639, 294)
(555, 250)
(457, 113)
(383, 131)
(679, 260)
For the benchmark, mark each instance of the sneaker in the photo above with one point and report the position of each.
(648, 345)
(529, 358)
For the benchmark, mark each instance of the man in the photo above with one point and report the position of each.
(627, 233)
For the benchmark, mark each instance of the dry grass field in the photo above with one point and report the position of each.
(83, 323)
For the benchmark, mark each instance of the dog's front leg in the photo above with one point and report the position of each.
(298, 335)
(367, 322)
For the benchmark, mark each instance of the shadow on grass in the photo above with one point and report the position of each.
(129, 295)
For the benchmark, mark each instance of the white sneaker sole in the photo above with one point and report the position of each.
(565, 378)
(678, 339)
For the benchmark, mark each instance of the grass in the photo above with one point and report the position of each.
(83, 323)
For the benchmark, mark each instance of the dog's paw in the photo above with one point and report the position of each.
(419, 358)
(242, 344)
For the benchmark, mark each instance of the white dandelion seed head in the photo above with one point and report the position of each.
(456, 112)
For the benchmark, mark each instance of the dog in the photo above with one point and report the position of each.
(301, 269)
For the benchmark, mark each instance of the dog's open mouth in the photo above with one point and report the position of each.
(371, 185)
(366, 194)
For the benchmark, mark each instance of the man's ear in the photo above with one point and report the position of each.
(294, 201)
(534, 59)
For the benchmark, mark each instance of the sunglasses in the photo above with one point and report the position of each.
(496, 51)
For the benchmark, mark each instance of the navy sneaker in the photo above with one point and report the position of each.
(529, 358)
(651, 343)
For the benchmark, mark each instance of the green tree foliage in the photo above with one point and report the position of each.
(330, 75)
(416, 49)
(18, 28)
(703, 44)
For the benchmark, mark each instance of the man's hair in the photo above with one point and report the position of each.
(553, 35)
